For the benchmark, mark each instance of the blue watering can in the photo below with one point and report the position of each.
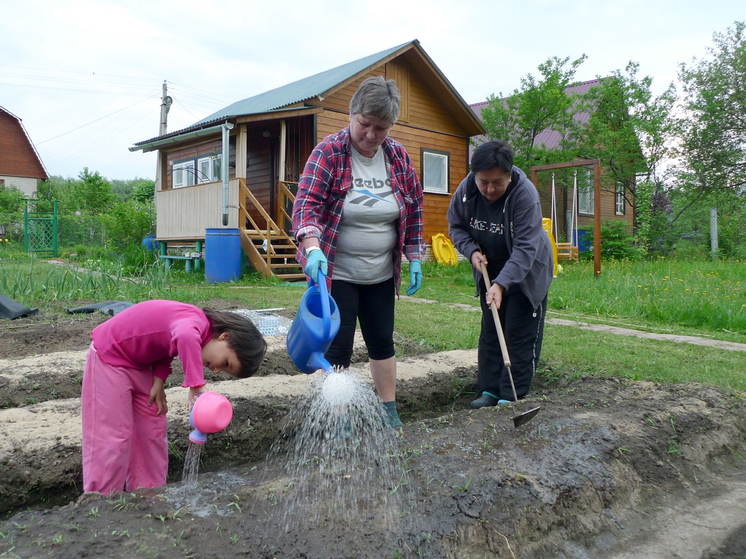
(313, 328)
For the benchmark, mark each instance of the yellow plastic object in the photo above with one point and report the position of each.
(443, 250)
(547, 223)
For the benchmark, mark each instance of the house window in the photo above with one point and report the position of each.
(619, 198)
(585, 191)
(208, 168)
(182, 174)
(435, 165)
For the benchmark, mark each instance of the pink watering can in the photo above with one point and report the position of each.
(314, 327)
(211, 413)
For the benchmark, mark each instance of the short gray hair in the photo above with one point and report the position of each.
(377, 98)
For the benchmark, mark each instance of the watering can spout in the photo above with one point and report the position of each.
(314, 327)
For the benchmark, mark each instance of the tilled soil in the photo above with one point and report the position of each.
(608, 468)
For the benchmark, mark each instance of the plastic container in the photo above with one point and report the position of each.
(149, 242)
(212, 412)
(582, 240)
(443, 250)
(222, 255)
(313, 329)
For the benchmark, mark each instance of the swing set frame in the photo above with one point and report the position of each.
(596, 164)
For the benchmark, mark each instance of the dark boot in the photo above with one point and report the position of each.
(393, 416)
(485, 400)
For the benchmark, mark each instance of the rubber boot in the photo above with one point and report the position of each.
(485, 400)
(394, 420)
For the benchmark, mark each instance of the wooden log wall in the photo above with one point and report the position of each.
(17, 155)
(435, 205)
(198, 150)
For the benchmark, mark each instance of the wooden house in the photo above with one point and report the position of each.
(266, 140)
(613, 204)
(20, 164)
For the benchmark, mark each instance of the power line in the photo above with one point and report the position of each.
(187, 110)
(103, 117)
(216, 96)
(57, 70)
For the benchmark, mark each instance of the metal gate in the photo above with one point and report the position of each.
(41, 229)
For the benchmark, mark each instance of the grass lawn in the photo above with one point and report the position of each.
(667, 296)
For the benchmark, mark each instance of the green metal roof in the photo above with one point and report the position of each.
(298, 91)
(307, 88)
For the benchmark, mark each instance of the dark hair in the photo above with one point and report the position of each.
(245, 338)
(491, 155)
(378, 98)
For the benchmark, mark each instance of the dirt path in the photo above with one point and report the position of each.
(610, 468)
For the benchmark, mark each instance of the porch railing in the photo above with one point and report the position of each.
(270, 247)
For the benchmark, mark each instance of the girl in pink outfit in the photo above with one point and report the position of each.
(123, 397)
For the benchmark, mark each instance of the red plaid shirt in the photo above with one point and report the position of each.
(324, 184)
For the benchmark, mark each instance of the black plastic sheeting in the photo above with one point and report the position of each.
(12, 310)
(110, 307)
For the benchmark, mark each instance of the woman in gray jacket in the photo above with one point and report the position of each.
(495, 218)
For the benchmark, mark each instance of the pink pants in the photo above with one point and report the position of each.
(124, 438)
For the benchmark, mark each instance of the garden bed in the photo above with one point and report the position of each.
(604, 470)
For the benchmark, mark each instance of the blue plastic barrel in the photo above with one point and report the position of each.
(582, 240)
(149, 243)
(222, 255)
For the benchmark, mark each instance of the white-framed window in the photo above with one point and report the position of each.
(585, 191)
(619, 199)
(182, 174)
(435, 166)
(208, 168)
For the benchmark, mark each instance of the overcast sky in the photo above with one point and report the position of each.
(85, 76)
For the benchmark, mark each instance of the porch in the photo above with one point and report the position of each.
(185, 213)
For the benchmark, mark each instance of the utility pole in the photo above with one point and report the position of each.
(166, 102)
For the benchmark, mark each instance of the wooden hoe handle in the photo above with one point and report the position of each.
(498, 326)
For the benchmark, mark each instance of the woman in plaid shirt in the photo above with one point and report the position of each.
(358, 209)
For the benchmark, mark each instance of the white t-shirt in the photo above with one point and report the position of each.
(367, 231)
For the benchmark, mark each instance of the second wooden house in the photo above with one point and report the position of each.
(266, 139)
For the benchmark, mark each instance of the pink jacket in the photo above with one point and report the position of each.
(150, 334)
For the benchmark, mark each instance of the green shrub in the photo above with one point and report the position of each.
(616, 241)
(129, 223)
(135, 259)
(81, 252)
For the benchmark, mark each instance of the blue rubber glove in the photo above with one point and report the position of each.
(315, 260)
(415, 277)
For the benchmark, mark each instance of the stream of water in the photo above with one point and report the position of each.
(339, 455)
(191, 464)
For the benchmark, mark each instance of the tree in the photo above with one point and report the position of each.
(11, 211)
(539, 104)
(144, 190)
(629, 130)
(713, 128)
(95, 192)
(140, 189)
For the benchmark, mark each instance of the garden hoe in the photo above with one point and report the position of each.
(525, 417)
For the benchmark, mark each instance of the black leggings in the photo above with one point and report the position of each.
(373, 305)
(524, 332)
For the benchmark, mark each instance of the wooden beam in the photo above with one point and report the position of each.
(596, 163)
(283, 142)
(241, 152)
(596, 219)
(577, 163)
(279, 115)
